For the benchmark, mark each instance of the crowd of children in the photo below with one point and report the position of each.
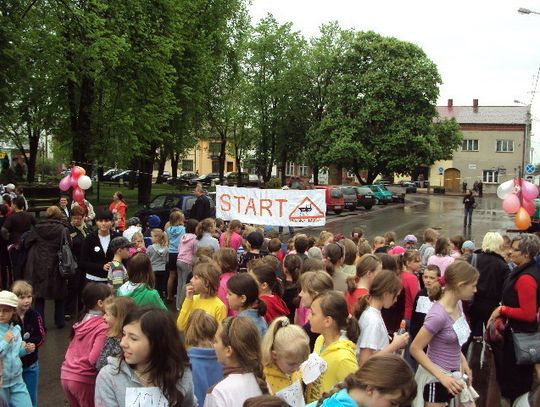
(331, 321)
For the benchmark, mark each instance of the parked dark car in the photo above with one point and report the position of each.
(349, 196)
(125, 176)
(107, 175)
(410, 188)
(162, 205)
(205, 179)
(364, 197)
(384, 182)
(163, 178)
(183, 180)
(231, 179)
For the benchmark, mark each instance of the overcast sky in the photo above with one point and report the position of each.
(484, 50)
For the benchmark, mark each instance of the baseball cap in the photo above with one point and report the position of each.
(8, 298)
(410, 239)
(467, 245)
(255, 239)
(153, 221)
(119, 242)
(10, 186)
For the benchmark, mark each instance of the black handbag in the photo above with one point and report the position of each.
(526, 347)
(67, 265)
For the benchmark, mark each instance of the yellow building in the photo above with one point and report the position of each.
(203, 159)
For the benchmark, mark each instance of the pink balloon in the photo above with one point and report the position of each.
(78, 194)
(73, 182)
(76, 172)
(529, 190)
(529, 206)
(65, 183)
(511, 204)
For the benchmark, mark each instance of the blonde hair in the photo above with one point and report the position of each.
(210, 273)
(136, 235)
(22, 287)
(430, 235)
(379, 240)
(324, 237)
(316, 282)
(176, 218)
(282, 336)
(235, 224)
(493, 242)
(161, 236)
(119, 307)
(201, 326)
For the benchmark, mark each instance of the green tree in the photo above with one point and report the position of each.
(380, 116)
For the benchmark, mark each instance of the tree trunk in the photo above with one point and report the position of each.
(315, 170)
(283, 165)
(33, 144)
(82, 134)
(175, 159)
(146, 165)
(161, 164)
(222, 158)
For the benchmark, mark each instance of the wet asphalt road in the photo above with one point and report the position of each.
(444, 213)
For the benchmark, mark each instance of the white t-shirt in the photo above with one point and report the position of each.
(105, 240)
(233, 391)
(373, 333)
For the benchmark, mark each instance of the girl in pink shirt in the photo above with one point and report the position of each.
(442, 257)
(228, 263)
(232, 238)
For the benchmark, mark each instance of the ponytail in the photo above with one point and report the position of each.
(361, 306)
(333, 305)
(261, 307)
(267, 274)
(285, 338)
(384, 282)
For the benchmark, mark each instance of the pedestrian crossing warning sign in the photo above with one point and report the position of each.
(306, 211)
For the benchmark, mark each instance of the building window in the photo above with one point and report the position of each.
(215, 166)
(230, 166)
(187, 165)
(302, 170)
(505, 146)
(490, 176)
(289, 169)
(470, 145)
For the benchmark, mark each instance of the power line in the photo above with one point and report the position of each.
(535, 86)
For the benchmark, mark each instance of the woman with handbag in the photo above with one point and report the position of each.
(520, 299)
(43, 244)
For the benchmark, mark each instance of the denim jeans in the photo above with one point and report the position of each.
(468, 215)
(31, 377)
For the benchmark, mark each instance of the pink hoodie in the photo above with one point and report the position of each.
(187, 248)
(83, 350)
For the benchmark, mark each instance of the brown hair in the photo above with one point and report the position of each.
(209, 273)
(119, 307)
(139, 269)
(442, 246)
(77, 211)
(350, 251)
(384, 282)
(316, 282)
(389, 238)
(244, 284)
(54, 212)
(457, 274)
(204, 226)
(311, 264)
(226, 259)
(301, 243)
(333, 254)
(176, 218)
(430, 235)
(201, 326)
(386, 373)
(235, 224)
(364, 248)
(409, 256)
(292, 264)
(21, 287)
(274, 245)
(241, 334)
(457, 241)
(367, 263)
(388, 262)
(333, 305)
(266, 400)
(264, 273)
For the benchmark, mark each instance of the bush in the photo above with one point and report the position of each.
(273, 183)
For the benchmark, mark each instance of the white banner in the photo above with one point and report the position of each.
(276, 207)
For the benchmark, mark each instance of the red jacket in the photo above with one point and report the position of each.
(275, 307)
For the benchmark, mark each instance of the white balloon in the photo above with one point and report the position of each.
(84, 182)
(505, 189)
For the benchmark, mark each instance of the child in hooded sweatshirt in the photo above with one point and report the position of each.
(32, 332)
(78, 372)
(158, 252)
(270, 290)
(339, 331)
(382, 380)
(12, 347)
(175, 230)
(185, 259)
(199, 339)
(141, 282)
(227, 261)
(284, 348)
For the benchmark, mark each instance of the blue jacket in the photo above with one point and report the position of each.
(206, 370)
(259, 321)
(174, 234)
(339, 399)
(10, 353)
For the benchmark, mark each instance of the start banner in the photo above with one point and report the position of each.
(276, 207)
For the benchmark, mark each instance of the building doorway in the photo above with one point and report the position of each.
(452, 180)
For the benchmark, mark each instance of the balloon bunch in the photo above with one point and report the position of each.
(517, 195)
(78, 180)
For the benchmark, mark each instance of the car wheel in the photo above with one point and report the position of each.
(384, 202)
(367, 207)
(338, 211)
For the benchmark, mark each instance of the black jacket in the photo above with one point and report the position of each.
(93, 258)
(201, 208)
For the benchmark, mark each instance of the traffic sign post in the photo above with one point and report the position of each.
(529, 168)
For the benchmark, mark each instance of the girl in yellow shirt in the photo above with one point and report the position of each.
(205, 282)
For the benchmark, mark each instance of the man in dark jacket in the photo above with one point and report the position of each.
(201, 208)
(95, 256)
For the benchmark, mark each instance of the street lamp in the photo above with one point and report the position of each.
(525, 134)
(523, 10)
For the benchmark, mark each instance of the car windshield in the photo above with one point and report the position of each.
(336, 193)
(383, 187)
(349, 191)
(158, 201)
(374, 188)
(365, 191)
